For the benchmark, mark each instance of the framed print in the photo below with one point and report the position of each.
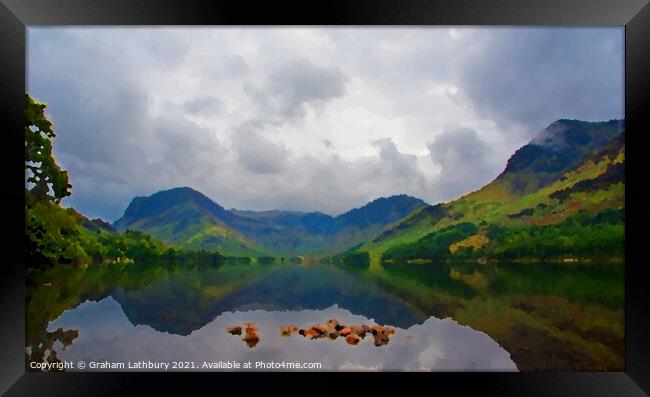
(429, 190)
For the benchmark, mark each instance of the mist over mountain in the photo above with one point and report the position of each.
(555, 150)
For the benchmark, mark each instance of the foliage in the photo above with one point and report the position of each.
(433, 246)
(265, 260)
(352, 259)
(44, 173)
(238, 260)
(56, 235)
(583, 236)
(539, 208)
(141, 248)
(593, 236)
(52, 234)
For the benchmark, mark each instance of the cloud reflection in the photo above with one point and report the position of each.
(435, 345)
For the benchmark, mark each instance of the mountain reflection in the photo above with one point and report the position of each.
(107, 335)
(446, 317)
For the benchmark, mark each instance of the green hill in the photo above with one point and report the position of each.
(188, 219)
(561, 196)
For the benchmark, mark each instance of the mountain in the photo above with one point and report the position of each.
(555, 150)
(570, 176)
(565, 189)
(188, 219)
(315, 233)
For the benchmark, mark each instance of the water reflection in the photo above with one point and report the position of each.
(187, 301)
(461, 317)
(107, 334)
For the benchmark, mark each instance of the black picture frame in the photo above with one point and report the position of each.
(17, 15)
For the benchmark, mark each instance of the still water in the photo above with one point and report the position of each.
(441, 317)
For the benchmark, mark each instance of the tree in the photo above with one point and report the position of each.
(45, 173)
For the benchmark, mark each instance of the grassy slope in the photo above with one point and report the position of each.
(495, 202)
(190, 227)
(189, 220)
(316, 234)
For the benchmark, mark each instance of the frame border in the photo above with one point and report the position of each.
(17, 15)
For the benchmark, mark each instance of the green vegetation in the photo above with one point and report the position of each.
(350, 259)
(548, 317)
(53, 290)
(560, 198)
(238, 260)
(139, 247)
(266, 260)
(188, 219)
(432, 246)
(55, 235)
(48, 179)
(567, 216)
(596, 237)
(548, 206)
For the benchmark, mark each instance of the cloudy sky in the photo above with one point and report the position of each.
(305, 118)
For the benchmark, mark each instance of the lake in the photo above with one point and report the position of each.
(443, 317)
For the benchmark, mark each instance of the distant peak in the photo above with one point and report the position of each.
(161, 201)
(568, 132)
(185, 189)
(611, 121)
(552, 135)
(390, 200)
(180, 192)
(401, 196)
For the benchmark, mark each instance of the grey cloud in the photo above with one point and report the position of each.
(115, 148)
(203, 106)
(333, 184)
(186, 151)
(294, 85)
(99, 110)
(225, 66)
(535, 76)
(402, 165)
(255, 152)
(107, 139)
(164, 49)
(282, 99)
(521, 78)
(403, 73)
(465, 160)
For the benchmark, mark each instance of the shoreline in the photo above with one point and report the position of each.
(527, 261)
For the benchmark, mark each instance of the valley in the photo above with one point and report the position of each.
(560, 198)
